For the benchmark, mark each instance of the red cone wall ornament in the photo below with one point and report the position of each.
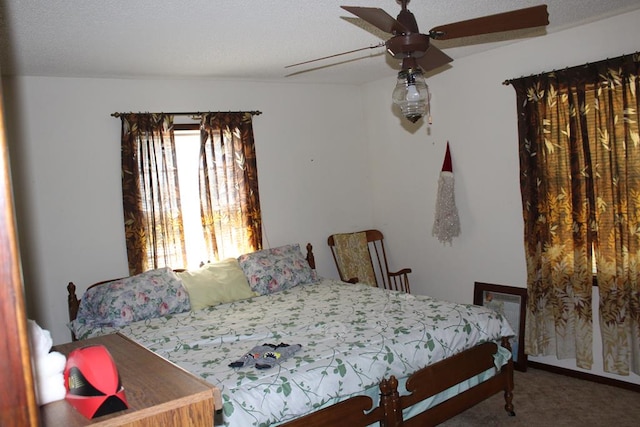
(446, 225)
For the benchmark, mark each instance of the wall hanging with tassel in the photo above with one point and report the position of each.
(446, 225)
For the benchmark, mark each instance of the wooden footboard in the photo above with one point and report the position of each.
(449, 372)
(423, 384)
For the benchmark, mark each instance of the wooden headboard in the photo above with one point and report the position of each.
(73, 302)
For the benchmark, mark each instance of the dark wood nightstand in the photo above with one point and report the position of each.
(159, 393)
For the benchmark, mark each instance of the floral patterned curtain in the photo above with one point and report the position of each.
(151, 197)
(229, 200)
(580, 184)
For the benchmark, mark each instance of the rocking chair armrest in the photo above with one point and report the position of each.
(402, 272)
(399, 280)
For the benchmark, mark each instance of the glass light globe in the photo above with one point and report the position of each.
(411, 94)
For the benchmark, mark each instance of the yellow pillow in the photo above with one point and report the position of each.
(216, 283)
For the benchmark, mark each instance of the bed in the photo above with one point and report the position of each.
(354, 350)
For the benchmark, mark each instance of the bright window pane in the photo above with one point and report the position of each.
(187, 153)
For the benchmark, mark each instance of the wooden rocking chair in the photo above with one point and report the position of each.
(361, 258)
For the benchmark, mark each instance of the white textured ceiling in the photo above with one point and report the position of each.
(251, 39)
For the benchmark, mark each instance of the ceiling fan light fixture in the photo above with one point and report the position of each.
(412, 95)
(414, 48)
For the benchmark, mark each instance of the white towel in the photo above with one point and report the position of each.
(50, 388)
(41, 340)
(48, 366)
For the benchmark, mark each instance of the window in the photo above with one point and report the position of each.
(187, 139)
(187, 160)
(190, 192)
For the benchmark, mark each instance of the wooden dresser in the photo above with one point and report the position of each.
(158, 392)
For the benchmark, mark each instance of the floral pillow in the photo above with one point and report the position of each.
(276, 269)
(147, 295)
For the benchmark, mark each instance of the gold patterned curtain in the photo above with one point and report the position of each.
(580, 184)
(151, 197)
(229, 199)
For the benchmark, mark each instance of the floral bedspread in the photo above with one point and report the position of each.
(352, 336)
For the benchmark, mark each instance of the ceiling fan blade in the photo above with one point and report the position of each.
(529, 17)
(377, 17)
(433, 58)
(337, 54)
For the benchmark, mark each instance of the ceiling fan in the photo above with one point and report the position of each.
(418, 54)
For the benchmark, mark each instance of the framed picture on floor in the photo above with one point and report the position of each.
(510, 302)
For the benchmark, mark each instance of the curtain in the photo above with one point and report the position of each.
(151, 197)
(229, 200)
(580, 184)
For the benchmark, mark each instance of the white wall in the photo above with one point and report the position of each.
(476, 113)
(65, 153)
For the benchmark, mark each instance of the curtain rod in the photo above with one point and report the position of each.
(507, 82)
(196, 113)
(636, 53)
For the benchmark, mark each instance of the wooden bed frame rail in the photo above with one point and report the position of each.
(423, 384)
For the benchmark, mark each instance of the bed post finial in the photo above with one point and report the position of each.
(310, 258)
(72, 304)
(390, 402)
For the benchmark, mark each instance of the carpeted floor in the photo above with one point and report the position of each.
(542, 398)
